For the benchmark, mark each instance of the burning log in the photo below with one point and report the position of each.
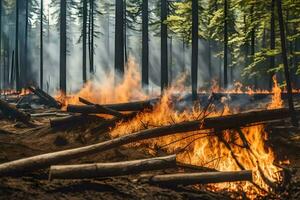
(111, 169)
(111, 123)
(200, 178)
(246, 118)
(103, 109)
(45, 160)
(17, 167)
(10, 111)
(130, 106)
(46, 98)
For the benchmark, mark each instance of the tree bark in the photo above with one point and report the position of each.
(164, 45)
(201, 178)
(195, 24)
(84, 22)
(63, 47)
(225, 43)
(145, 45)
(17, 77)
(1, 56)
(285, 63)
(26, 70)
(97, 170)
(272, 42)
(119, 41)
(252, 41)
(92, 70)
(41, 46)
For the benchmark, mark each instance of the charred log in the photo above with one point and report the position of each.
(9, 111)
(201, 178)
(72, 120)
(130, 106)
(46, 98)
(103, 109)
(243, 119)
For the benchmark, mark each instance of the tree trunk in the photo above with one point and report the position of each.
(194, 70)
(41, 47)
(92, 70)
(201, 178)
(252, 45)
(1, 56)
(225, 43)
(17, 77)
(285, 63)
(164, 45)
(63, 46)
(97, 170)
(145, 45)
(272, 42)
(209, 52)
(84, 22)
(12, 71)
(26, 64)
(119, 41)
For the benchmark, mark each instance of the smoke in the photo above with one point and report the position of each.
(179, 53)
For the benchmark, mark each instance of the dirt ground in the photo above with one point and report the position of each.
(18, 141)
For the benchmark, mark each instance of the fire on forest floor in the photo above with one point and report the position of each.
(224, 151)
(196, 148)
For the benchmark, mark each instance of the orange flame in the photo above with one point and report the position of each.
(200, 148)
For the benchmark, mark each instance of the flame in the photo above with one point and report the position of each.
(197, 148)
(106, 91)
(277, 102)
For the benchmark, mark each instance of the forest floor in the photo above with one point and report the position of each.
(19, 141)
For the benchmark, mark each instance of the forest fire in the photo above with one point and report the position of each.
(223, 150)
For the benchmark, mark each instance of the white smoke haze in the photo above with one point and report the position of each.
(104, 53)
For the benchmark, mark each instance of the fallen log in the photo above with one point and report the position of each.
(111, 169)
(130, 106)
(45, 160)
(108, 124)
(46, 98)
(9, 111)
(102, 109)
(71, 120)
(246, 118)
(200, 178)
(18, 167)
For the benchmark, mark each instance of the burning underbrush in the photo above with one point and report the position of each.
(223, 150)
